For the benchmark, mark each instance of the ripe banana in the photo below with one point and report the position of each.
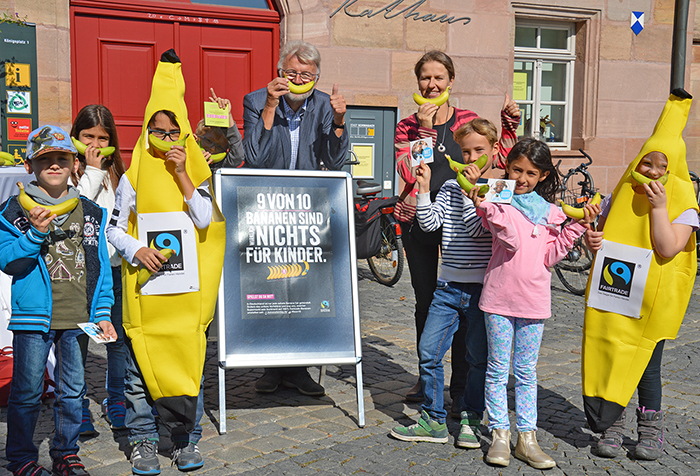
(164, 146)
(438, 101)
(462, 180)
(457, 167)
(644, 179)
(145, 273)
(28, 203)
(216, 157)
(577, 213)
(105, 151)
(6, 159)
(300, 88)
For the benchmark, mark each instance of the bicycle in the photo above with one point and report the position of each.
(378, 234)
(576, 189)
(696, 185)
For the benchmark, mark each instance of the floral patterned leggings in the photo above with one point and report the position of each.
(501, 331)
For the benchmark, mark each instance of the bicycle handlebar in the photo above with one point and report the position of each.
(581, 166)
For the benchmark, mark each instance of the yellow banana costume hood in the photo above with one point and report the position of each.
(167, 331)
(617, 348)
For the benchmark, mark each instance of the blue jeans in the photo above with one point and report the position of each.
(116, 351)
(453, 303)
(139, 406)
(31, 350)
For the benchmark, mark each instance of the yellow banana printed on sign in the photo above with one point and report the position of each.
(287, 271)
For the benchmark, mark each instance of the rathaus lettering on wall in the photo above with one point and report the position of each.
(408, 12)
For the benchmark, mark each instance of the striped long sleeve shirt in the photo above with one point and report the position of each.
(466, 244)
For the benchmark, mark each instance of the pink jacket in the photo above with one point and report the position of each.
(518, 278)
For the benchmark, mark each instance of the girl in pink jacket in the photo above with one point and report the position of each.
(527, 240)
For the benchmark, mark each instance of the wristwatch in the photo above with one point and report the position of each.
(335, 126)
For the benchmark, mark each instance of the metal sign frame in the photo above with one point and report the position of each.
(231, 300)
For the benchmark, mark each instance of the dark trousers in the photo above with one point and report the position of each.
(649, 388)
(423, 256)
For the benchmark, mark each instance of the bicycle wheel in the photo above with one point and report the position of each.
(577, 188)
(574, 269)
(387, 265)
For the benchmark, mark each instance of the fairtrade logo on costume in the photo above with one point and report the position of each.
(168, 239)
(616, 277)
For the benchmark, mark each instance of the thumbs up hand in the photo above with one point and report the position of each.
(338, 105)
(511, 108)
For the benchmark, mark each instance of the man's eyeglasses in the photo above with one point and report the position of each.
(172, 135)
(305, 75)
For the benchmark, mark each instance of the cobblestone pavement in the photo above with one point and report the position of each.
(287, 433)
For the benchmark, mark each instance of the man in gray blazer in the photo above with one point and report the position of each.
(297, 131)
(283, 130)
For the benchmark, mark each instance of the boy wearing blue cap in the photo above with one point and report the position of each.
(53, 245)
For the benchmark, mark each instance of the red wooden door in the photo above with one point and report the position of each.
(115, 53)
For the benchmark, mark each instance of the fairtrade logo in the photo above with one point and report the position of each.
(171, 239)
(616, 277)
(325, 304)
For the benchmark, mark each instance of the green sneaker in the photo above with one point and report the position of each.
(470, 432)
(425, 430)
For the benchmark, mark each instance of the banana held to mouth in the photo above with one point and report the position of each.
(145, 273)
(457, 167)
(438, 101)
(6, 159)
(164, 146)
(462, 180)
(642, 179)
(105, 151)
(300, 88)
(577, 213)
(29, 203)
(216, 157)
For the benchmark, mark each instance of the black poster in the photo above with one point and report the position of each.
(286, 255)
(289, 289)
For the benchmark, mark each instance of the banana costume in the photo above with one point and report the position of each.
(617, 348)
(167, 331)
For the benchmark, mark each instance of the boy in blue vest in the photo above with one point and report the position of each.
(53, 245)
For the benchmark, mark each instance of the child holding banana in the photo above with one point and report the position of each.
(164, 205)
(94, 134)
(466, 250)
(221, 146)
(54, 246)
(654, 208)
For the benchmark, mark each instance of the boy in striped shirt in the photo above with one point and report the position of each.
(466, 250)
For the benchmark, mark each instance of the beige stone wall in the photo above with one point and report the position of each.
(53, 55)
(372, 61)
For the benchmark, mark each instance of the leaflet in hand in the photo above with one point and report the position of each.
(95, 333)
(500, 190)
(421, 149)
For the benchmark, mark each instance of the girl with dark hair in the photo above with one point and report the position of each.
(516, 299)
(435, 73)
(97, 179)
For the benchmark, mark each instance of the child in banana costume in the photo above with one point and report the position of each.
(166, 332)
(621, 353)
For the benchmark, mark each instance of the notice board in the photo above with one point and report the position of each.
(18, 87)
(288, 294)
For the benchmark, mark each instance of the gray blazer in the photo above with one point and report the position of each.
(272, 149)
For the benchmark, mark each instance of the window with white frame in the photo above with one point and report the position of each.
(543, 77)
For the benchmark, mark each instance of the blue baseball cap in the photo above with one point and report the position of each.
(48, 139)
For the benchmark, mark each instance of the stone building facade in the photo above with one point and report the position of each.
(620, 80)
